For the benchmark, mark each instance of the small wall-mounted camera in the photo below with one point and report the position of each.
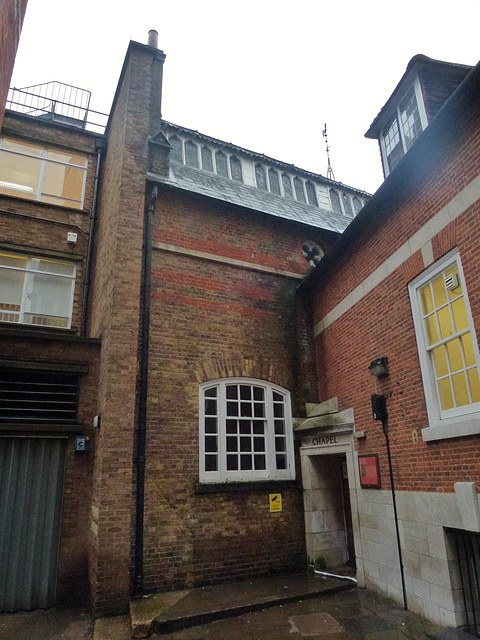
(72, 238)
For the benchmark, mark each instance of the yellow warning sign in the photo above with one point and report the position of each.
(275, 501)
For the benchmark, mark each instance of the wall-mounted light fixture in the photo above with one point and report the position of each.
(379, 367)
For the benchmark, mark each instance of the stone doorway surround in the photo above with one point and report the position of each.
(326, 438)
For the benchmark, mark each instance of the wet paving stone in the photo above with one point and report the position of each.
(314, 623)
(366, 624)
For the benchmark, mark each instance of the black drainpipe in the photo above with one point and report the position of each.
(395, 514)
(146, 289)
(100, 145)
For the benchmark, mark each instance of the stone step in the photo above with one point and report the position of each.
(167, 612)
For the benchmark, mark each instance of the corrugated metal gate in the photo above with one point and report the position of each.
(31, 489)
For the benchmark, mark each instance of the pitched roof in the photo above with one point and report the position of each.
(213, 186)
(418, 61)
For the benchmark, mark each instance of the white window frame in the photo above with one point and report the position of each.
(459, 421)
(271, 472)
(29, 272)
(423, 120)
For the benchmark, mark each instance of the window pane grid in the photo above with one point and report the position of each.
(42, 174)
(211, 430)
(410, 118)
(245, 434)
(393, 144)
(35, 291)
(448, 340)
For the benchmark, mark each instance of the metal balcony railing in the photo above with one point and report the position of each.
(59, 102)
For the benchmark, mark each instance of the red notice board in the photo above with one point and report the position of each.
(369, 471)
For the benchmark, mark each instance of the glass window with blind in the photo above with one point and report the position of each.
(36, 291)
(245, 431)
(446, 339)
(41, 173)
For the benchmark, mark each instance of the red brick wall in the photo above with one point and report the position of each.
(381, 325)
(211, 320)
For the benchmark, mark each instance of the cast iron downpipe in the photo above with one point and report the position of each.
(384, 426)
(88, 261)
(146, 289)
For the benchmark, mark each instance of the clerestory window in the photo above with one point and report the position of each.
(245, 431)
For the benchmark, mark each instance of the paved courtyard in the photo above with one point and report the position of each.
(355, 614)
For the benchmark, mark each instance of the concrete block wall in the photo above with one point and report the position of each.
(429, 559)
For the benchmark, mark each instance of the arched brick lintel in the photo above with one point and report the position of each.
(243, 368)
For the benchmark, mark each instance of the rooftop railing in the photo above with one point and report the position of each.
(58, 102)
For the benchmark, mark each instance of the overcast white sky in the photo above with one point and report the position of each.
(263, 74)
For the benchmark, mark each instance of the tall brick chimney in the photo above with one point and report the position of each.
(135, 117)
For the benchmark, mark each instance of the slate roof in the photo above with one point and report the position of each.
(213, 186)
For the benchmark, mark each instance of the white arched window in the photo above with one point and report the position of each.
(245, 431)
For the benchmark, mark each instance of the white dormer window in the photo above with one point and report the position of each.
(403, 127)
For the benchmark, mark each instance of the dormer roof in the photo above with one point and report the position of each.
(439, 79)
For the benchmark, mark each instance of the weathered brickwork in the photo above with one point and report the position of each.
(381, 324)
(46, 348)
(115, 317)
(212, 320)
(41, 229)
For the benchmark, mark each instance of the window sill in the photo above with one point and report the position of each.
(18, 330)
(255, 485)
(468, 425)
(43, 204)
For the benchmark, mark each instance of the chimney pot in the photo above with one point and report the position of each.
(153, 38)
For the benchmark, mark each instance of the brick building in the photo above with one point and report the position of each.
(402, 283)
(12, 13)
(148, 282)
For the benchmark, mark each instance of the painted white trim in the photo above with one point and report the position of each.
(162, 246)
(461, 420)
(271, 472)
(458, 205)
